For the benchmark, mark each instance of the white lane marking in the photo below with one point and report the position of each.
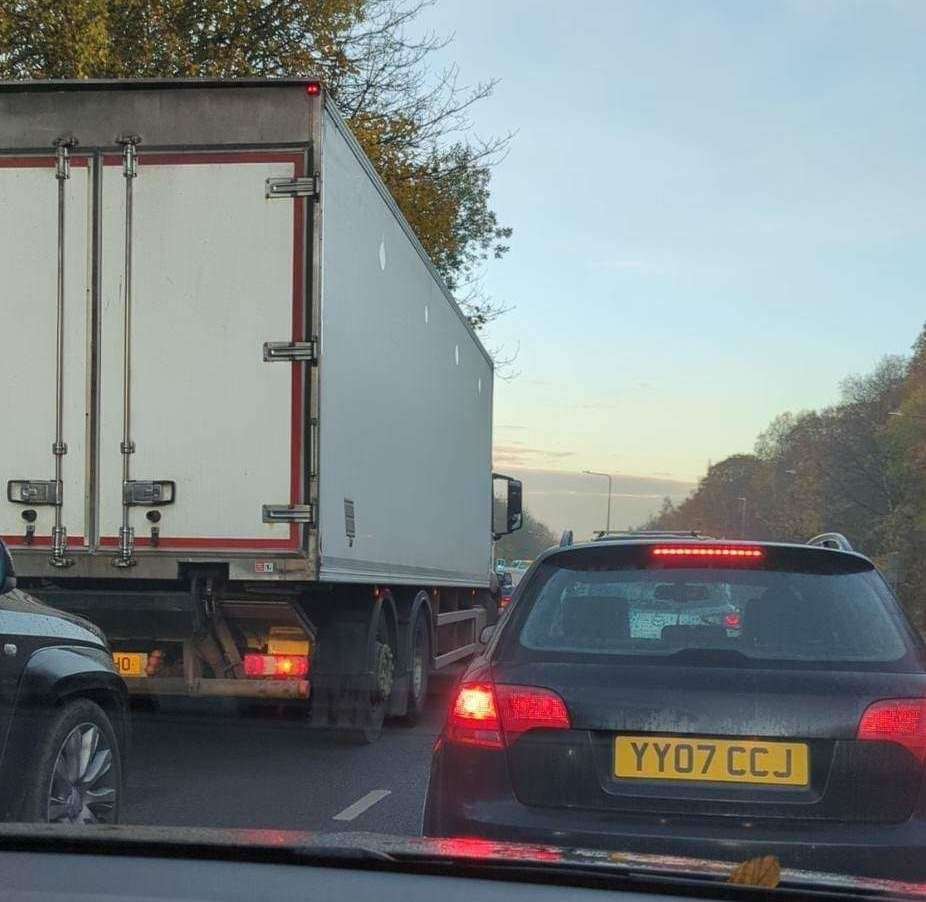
(361, 805)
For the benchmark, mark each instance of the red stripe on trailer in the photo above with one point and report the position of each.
(39, 162)
(194, 542)
(18, 541)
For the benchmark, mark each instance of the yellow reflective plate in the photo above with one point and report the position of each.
(130, 663)
(711, 760)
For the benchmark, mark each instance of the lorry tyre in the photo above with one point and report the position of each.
(76, 773)
(372, 710)
(419, 668)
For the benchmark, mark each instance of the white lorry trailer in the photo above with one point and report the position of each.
(246, 429)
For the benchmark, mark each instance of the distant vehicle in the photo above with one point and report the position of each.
(505, 590)
(590, 721)
(520, 565)
(63, 710)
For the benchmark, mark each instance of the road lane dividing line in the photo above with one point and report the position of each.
(362, 804)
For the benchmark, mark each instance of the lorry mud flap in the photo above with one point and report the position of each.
(342, 681)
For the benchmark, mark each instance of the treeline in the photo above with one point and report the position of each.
(525, 544)
(858, 467)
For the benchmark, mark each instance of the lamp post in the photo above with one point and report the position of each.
(742, 501)
(608, 477)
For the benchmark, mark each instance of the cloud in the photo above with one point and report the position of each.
(596, 405)
(517, 453)
(627, 265)
(571, 500)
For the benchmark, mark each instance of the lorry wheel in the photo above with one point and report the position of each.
(419, 670)
(373, 711)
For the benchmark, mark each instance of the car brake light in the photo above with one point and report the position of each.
(493, 717)
(733, 620)
(728, 552)
(313, 88)
(898, 720)
(279, 667)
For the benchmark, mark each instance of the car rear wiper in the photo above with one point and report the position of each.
(708, 656)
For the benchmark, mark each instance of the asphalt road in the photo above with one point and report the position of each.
(206, 765)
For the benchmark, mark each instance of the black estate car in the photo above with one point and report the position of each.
(613, 709)
(63, 713)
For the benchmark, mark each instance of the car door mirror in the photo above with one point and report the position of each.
(7, 573)
(486, 634)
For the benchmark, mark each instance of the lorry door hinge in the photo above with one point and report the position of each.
(309, 186)
(291, 351)
(288, 513)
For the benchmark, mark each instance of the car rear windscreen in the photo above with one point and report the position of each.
(754, 613)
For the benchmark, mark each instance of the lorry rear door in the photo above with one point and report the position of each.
(29, 244)
(217, 271)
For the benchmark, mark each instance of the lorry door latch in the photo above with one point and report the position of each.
(35, 491)
(148, 493)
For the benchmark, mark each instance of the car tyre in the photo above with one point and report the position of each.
(77, 772)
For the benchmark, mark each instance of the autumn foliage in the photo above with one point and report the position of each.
(858, 468)
(411, 121)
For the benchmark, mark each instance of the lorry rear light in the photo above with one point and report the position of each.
(278, 667)
(313, 88)
(493, 717)
(898, 720)
(733, 620)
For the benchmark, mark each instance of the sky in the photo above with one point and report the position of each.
(718, 213)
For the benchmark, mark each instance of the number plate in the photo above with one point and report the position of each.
(130, 663)
(711, 760)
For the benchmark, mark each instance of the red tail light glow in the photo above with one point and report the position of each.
(278, 667)
(898, 720)
(730, 552)
(733, 620)
(492, 717)
(313, 89)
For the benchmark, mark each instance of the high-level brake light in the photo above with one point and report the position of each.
(490, 716)
(277, 667)
(898, 720)
(729, 552)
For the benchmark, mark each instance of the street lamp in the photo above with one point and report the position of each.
(743, 501)
(608, 477)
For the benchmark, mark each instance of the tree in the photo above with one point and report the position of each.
(413, 124)
(857, 467)
(530, 540)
